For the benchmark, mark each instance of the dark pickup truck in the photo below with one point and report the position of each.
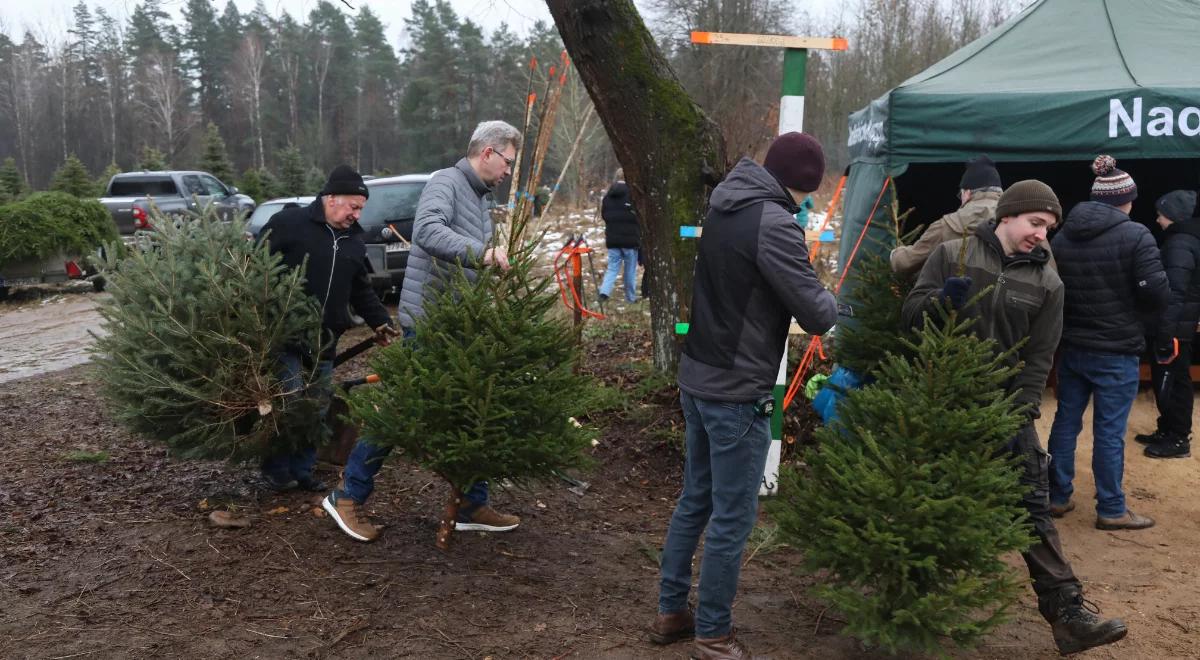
(130, 194)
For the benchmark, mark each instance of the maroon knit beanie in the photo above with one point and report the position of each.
(797, 161)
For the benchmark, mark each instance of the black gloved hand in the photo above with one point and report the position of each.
(1166, 349)
(954, 291)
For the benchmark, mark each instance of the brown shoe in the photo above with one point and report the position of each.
(670, 628)
(1058, 511)
(721, 648)
(1130, 520)
(349, 515)
(486, 519)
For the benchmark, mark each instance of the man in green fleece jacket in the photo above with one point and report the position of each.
(1024, 302)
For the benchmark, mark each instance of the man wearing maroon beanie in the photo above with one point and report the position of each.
(752, 277)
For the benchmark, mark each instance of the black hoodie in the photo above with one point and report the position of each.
(1113, 276)
(752, 277)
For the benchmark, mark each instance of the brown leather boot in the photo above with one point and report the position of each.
(721, 648)
(670, 628)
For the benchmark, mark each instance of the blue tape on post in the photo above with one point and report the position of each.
(827, 236)
(688, 231)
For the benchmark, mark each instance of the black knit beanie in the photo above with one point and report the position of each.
(1176, 205)
(1112, 186)
(797, 161)
(343, 180)
(980, 173)
(1028, 196)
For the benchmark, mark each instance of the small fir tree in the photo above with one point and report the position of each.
(215, 160)
(73, 178)
(12, 186)
(109, 172)
(908, 501)
(875, 330)
(291, 173)
(151, 159)
(486, 390)
(314, 182)
(190, 341)
(251, 185)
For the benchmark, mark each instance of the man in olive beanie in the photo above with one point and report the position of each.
(1114, 278)
(978, 191)
(1019, 306)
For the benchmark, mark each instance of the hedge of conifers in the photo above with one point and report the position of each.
(47, 223)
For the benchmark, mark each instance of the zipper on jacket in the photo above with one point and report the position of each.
(332, 267)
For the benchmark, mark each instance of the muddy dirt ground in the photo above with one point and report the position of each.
(105, 549)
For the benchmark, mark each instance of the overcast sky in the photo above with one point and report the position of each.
(52, 17)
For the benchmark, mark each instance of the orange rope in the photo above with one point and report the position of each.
(566, 283)
(837, 195)
(815, 345)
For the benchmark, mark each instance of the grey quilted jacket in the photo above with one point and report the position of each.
(452, 225)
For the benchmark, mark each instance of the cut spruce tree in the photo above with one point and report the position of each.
(487, 389)
(190, 340)
(909, 501)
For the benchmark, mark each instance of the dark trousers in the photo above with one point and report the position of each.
(1048, 565)
(1173, 392)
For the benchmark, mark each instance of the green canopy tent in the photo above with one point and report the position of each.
(1042, 94)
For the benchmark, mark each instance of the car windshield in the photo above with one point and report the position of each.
(262, 214)
(142, 187)
(391, 202)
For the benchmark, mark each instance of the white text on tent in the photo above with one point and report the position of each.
(1163, 120)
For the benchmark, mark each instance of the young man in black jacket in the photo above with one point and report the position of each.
(752, 277)
(1113, 276)
(1170, 366)
(327, 234)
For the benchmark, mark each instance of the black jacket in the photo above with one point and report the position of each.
(752, 277)
(1114, 277)
(337, 264)
(1181, 259)
(620, 221)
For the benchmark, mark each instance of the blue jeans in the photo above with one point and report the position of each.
(358, 477)
(621, 259)
(1110, 381)
(298, 464)
(726, 454)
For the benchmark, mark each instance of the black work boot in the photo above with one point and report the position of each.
(1075, 624)
(1149, 438)
(1170, 446)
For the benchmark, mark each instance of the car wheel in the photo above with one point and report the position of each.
(3, 293)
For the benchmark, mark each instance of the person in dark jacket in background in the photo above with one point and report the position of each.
(1113, 275)
(622, 238)
(752, 276)
(1171, 361)
(327, 234)
(1020, 308)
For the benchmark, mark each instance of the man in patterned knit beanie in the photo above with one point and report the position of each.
(1114, 278)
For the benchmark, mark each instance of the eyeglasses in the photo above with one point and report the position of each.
(507, 161)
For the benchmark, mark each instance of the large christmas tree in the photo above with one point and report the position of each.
(905, 502)
(191, 336)
(486, 391)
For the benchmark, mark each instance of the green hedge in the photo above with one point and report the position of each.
(47, 223)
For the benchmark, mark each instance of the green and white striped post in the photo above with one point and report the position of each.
(791, 118)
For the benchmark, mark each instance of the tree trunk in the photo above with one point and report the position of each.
(449, 515)
(668, 147)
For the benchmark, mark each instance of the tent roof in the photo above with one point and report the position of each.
(1075, 45)
(1061, 80)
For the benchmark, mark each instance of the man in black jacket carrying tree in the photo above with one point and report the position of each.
(752, 277)
(327, 233)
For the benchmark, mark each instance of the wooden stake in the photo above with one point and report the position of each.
(446, 524)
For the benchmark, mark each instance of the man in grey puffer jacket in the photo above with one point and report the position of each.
(452, 227)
